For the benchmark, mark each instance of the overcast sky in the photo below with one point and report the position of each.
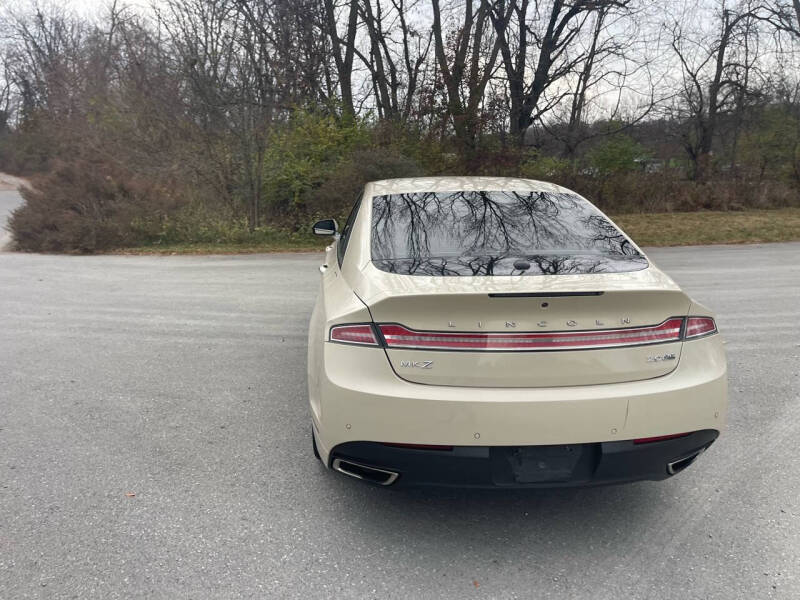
(649, 29)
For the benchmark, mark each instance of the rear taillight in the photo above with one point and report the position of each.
(699, 326)
(397, 336)
(362, 335)
(673, 329)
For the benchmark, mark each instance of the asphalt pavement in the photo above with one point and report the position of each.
(154, 443)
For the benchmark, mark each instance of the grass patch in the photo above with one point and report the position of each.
(221, 248)
(657, 229)
(236, 240)
(712, 227)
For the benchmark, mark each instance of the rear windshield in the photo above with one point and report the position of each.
(468, 233)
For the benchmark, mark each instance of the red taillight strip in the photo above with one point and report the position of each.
(700, 326)
(354, 334)
(397, 336)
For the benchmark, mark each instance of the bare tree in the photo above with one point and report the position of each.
(613, 67)
(394, 67)
(467, 69)
(713, 74)
(343, 49)
(43, 58)
(552, 30)
(785, 15)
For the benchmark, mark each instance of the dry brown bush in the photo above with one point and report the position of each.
(663, 192)
(88, 206)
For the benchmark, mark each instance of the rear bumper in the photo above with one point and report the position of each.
(526, 467)
(355, 396)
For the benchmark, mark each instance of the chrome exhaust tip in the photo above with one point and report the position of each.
(676, 466)
(359, 471)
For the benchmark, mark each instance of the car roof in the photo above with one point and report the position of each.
(452, 183)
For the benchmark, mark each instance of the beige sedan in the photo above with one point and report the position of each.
(495, 332)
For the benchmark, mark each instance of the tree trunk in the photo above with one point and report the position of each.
(796, 4)
(344, 62)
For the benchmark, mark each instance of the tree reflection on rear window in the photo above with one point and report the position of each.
(466, 233)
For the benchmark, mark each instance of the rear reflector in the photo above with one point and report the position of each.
(699, 326)
(397, 336)
(660, 438)
(354, 334)
(420, 446)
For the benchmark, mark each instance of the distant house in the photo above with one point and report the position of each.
(651, 165)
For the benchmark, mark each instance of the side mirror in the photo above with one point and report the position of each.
(326, 227)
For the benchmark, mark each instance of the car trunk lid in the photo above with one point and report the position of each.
(525, 331)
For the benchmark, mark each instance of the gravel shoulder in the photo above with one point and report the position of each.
(9, 200)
